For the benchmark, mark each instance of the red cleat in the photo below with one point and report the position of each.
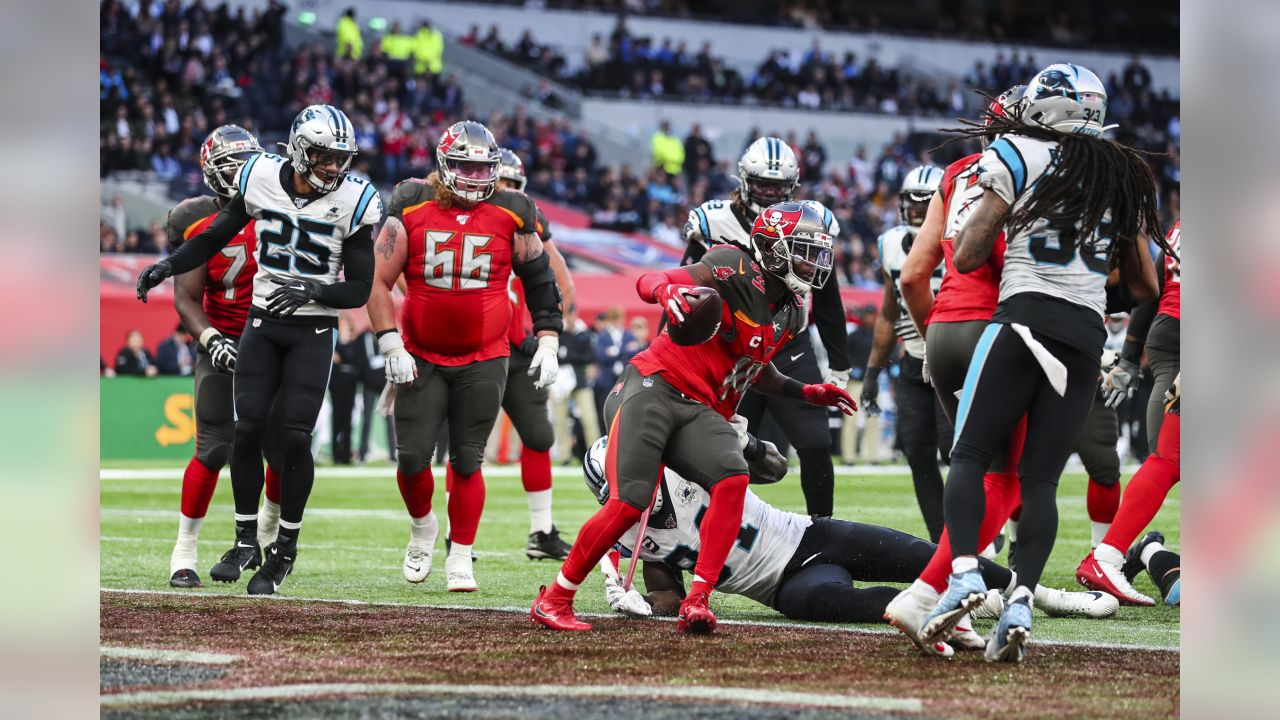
(1110, 579)
(695, 617)
(557, 615)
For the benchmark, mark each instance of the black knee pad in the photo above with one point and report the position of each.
(215, 456)
(539, 438)
(251, 431)
(410, 463)
(466, 459)
(294, 442)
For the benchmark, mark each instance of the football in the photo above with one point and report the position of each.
(702, 320)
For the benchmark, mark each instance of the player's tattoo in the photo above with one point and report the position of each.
(526, 247)
(977, 238)
(387, 241)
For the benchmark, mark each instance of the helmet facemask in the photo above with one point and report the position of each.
(913, 207)
(324, 168)
(471, 180)
(467, 159)
(222, 155)
(792, 245)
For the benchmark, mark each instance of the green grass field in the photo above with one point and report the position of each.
(353, 539)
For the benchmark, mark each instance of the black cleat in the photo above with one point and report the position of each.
(244, 555)
(1133, 558)
(1013, 551)
(275, 569)
(185, 578)
(546, 545)
(449, 543)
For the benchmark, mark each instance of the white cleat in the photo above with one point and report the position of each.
(906, 614)
(1062, 603)
(964, 638)
(417, 562)
(458, 574)
(988, 610)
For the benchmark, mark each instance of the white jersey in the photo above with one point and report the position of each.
(894, 246)
(301, 242)
(1043, 258)
(766, 541)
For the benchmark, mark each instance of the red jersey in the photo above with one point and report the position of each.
(521, 320)
(460, 260)
(228, 288)
(1171, 297)
(971, 296)
(718, 372)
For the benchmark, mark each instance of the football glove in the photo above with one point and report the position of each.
(830, 396)
(1120, 382)
(400, 367)
(545, 365)
(739, 425)
(871, 392)
(628, 602)
(221, 349)
(291, 295)
(674, 299)
(151, 276)
(528, 346)
(839, 378)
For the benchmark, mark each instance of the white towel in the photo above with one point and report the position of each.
(1052, 366)
(387, 400)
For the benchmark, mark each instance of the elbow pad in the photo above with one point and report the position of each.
(541, 293)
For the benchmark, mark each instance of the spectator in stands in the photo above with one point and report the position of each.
(696, 149)
(176, 354)
(350, 41)
(813, 159)
(860, 340)
(1136, 76)
(428, 50)
(667, 150)
(640, 331)
(164, 164)
(615, 346)
(134, 359)
(397, 45)
(108, 239)
(577, 352)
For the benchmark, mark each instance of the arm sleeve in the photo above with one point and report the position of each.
(828, 315)
(1002, 170)
(647, 284)
(541, 293)
(357, 265)
(695, 232)
(197, 251)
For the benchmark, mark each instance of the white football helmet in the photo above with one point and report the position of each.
(768, 173)
(1068, 99)
(467, 143)
(917, 190)
(593, 469)
(321, 132)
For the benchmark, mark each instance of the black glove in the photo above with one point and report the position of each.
(528, 346)
(222, 351)
(765, 464)
(151, 276)
(870, 391)
(290, 296)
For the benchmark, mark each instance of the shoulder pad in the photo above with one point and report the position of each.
(407, 194)
(519, 205)
(187, 213)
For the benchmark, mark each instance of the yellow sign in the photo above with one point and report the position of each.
(181, 429)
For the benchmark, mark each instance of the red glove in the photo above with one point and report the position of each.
(674, 299)
(830, 396)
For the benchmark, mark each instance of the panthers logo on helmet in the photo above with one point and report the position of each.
(1055, 82)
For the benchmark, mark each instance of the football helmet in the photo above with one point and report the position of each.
(792, 243)
(319, 134)
(1066, 98)
(511, 168)
(768, 173)
(917, 190)
(222, 154)
(593, 469)
(1009, 103)
(465, 148)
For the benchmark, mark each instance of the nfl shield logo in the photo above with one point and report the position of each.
(462, 219)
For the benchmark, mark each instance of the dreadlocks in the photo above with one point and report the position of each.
(1088, 176)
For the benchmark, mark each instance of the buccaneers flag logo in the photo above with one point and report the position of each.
(450, 137)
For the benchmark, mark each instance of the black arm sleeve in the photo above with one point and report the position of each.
(197, 251)
(693, 253)
(357, 264)
(541, 293)
(828, 315)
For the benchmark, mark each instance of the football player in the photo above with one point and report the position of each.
(312, 221)
(922, 425)
(768, 173)
(1039, 356)
(213, 302)
(457, 241)
(672, 403)
(524, 403)
(803, 567)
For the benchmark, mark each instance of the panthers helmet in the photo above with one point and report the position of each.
(917, 190)
(511, 168)
(468, 142)
(792, 243)
(222, 154)
(1066, 98)
(593, 469)
(321, 132)
(768, 173)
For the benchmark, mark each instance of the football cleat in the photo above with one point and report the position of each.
(1009, 636)
(1097, 575)
(185, 578)
(991, 608)
(964, 638)
(1175, 594)
(1133, 558)
(906, 613)
(546, 545)
(417, 562)
(1061, 603)
(695, 616)
(965, 591)
(458, 574)
(274, 570)
(557, 615)
(246, 554)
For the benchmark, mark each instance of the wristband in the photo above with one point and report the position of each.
(754, 451)
(207, 336)
(1132, 351)
(389, 342)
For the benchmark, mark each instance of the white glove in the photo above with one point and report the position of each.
(739, 425)
(400, 367)
(924, 371)
(545, 365)
(1120, 382)
(628, 602)
(839, 378)
(221, 349)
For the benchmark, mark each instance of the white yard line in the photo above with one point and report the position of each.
(169, 656)
(525, 611)
(745, 696)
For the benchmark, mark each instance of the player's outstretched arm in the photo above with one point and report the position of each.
(197, 251)
(882, 342)
(391, 253)
(917, 271)
(771, 381)
(669, 288)
(1137, 270)
(978, 236)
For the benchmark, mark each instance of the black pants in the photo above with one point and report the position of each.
(1097, 444)
(468, 396)
(1004, 382)
(286, 362)
(805, 425)
(526, 405)
(370, 392)
(342, 401)
(924, 431)
(818, 582)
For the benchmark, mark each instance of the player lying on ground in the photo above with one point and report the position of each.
(804, 567)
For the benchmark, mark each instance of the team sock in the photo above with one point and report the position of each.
(1001, 489)
(539, 511)
(719, 529)
(1101, 501)
(1165, 568)
(271, 479)
(466, 505)
(416, 491)
(1142, 499)
(288, 533)
(198, 483)
(422, 529)
(596, 537)
(535, 474)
